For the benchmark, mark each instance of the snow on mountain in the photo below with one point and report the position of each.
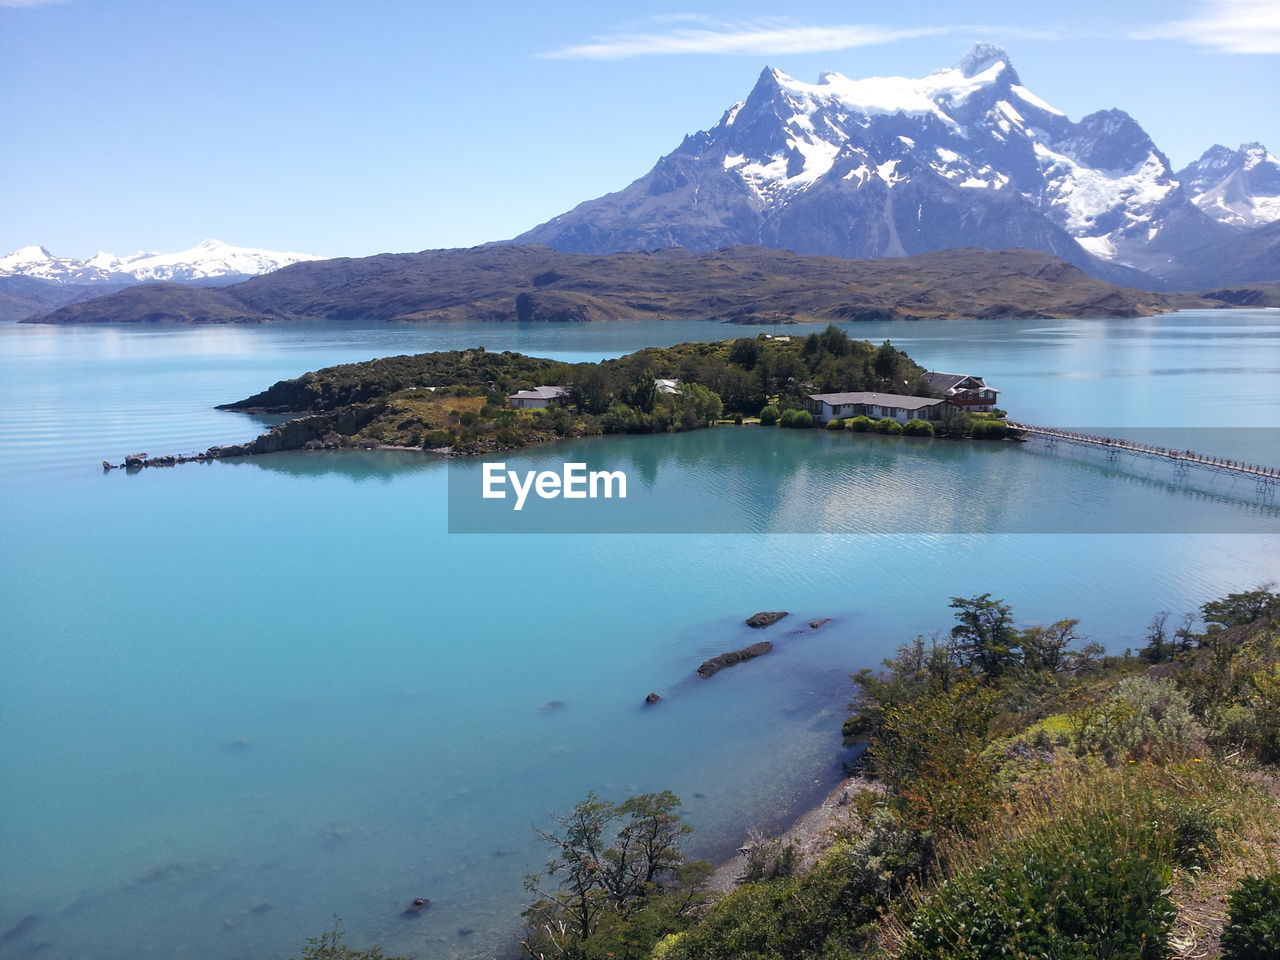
(1238, 187)
(208, 260)
(884, 166)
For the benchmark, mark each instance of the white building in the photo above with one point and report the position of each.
(539, 397)
(878, 406)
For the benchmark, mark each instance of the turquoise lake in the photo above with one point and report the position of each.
(239, 697)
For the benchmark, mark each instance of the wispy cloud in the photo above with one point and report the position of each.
(759, 37)
(1232, 26)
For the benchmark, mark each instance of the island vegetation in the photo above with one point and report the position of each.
(456, 401)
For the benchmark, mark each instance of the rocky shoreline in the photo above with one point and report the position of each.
(811, 833)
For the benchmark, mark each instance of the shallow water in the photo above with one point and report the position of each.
(240, 696)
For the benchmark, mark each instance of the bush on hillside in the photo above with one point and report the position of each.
(829, 912)
(769, 415)
(1253, 920)
(1143, 717)
(798, 419)
(1093, 884)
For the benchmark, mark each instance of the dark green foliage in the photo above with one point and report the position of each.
(988, 430)
(886, 360)
(329, 946)
(796, 419)
(835, 424)
(828, 913)
(859, 424)
(769, 415)
(918, 428)
(621, 881)
(1084, 888)
(745, 353)
(885, 425)
(984, 637)
(350, 383)
(1238, 609)
(1253, 920)
(930, 752)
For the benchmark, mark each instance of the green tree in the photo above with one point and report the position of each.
(621, 880)
(1238, 609)
(886, 360)
(984, 635)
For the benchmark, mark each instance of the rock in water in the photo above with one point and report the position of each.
(418, 905)
(652, 699)
(815, 624)
(765, 618)
(716, 664)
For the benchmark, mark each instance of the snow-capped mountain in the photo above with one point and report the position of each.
(886, 166)
(1239, 187)
(207, 261)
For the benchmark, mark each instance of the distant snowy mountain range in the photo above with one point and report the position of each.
(210, 261)
(966, 156)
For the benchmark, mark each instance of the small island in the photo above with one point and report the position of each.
(474, 402)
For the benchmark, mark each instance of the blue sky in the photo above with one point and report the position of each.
(347, 128)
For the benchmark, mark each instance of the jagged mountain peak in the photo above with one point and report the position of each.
(982, 57)
(886, 166)
(1239, 187)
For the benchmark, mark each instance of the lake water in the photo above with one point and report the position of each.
(238, 697)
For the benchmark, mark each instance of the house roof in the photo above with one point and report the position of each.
(946, 382)
(540, 393)
(875, 399)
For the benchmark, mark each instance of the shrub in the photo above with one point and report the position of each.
(887, 426)
(798, 419)
(918, 428)
(989, 430)
(1090, 885)
(859, 424)
(931, 752)
(1253, 920)
(835, 424)
(769, 858)
(829, 912)
(769, 415)
(1143, 717)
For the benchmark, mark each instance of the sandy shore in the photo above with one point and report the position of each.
(813, 832)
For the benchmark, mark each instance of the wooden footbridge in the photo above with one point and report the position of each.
(1266, 478)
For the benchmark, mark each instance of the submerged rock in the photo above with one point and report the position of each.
(815, 624)
(652, 699)
(765, 618)
(733, 657)
(417, 906)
